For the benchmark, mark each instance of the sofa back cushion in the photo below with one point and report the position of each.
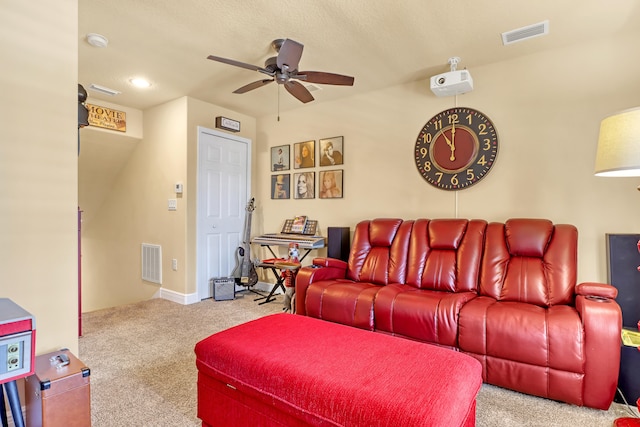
(531, 261)
(445, 254)
(379, 251)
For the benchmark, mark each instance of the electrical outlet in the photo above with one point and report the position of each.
(174, 264)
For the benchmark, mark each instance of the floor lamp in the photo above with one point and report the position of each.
(618, 155)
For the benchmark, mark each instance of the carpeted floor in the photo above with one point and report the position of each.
(143, 368)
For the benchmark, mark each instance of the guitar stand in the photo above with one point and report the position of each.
(278, 285)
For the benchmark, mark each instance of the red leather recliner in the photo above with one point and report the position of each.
(503, 293)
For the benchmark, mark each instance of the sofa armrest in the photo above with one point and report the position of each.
(602, 322)
(597, 290)
(330, 262)
(321, 269)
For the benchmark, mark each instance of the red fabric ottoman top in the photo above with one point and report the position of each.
(316, 369)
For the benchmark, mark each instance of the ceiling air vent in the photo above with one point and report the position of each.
(311, 87)
(104, 90)
(525, 33)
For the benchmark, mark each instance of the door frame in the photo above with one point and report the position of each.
(202, 283)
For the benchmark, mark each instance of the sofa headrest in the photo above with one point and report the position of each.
(383, 230)
(446, 233)
(528, 237)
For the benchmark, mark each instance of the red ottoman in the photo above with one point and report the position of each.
(291, 370)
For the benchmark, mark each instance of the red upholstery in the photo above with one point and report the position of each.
(309, 372)
(378, 257)
(504, 293)
(442, 275)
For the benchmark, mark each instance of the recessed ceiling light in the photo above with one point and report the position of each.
(140, 82)
(97, 40)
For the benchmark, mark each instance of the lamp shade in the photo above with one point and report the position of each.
(619, 145)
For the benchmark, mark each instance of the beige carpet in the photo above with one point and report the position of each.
(143, 368)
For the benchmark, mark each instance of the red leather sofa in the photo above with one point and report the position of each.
(504, 293)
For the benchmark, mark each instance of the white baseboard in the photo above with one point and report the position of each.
(186, 299)
(177, 297)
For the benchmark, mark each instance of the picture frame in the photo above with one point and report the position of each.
(304, 154)
(281, 186)
(331, 184)
(304, 185)
(331, 151)
(280, 158)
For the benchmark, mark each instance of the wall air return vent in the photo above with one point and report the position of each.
(525, 33)
(152, 263)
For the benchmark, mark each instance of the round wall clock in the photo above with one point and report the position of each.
(456, 148)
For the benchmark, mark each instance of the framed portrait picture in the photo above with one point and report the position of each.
(304, 154)
(280, 186)
(280, 158)
(331, 151)
(304, 185)
(330, 185)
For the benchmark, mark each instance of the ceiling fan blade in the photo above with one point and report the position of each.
(324, 78)
(299, 91)
(237, 64)
(252, 86)
(289, 55)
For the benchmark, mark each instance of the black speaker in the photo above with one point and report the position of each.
(623, 260)
(338, 242)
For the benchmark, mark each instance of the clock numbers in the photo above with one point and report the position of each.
(456, 148)
(469, 119)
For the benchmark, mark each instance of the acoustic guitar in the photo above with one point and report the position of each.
(245, 272)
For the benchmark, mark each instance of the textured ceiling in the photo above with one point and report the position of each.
(379, 42)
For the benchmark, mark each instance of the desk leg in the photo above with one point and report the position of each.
(14, 402)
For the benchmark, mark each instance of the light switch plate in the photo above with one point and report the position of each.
(172, 204)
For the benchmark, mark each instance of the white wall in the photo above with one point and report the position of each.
(547, 120)
(38, 155)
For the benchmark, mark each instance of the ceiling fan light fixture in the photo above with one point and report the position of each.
(97, 40)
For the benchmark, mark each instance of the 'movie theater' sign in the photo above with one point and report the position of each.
(107, 118)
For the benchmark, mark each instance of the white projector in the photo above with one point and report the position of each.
(452, 83)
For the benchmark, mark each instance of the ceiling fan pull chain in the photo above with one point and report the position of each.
(278, 102)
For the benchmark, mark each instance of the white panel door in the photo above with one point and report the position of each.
(224, 181)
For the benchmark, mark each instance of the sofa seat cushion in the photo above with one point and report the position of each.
(342, 301)
(526, 347)
(425, 315)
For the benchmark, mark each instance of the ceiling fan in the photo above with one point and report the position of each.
(284, 70)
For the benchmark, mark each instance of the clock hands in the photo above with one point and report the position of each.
(451, 143)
